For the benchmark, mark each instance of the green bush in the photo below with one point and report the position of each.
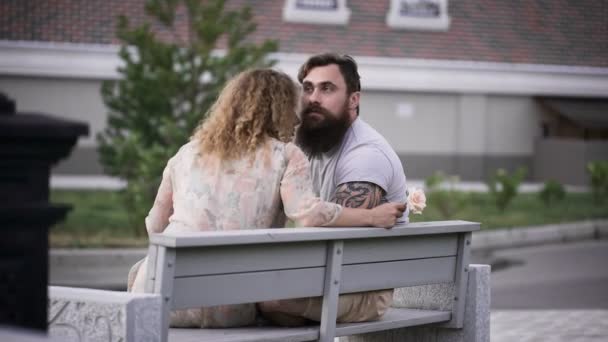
(598, 170)
(504, 186)
(552, 192)
(441, 194)
(166, 88)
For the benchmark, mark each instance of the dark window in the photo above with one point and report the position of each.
(317, 4)
(546, 130)
(420, 8)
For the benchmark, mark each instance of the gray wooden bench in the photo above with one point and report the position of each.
(231, 267)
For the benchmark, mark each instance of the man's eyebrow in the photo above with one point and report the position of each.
(324, 83)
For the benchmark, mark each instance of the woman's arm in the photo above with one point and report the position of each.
(158, 217)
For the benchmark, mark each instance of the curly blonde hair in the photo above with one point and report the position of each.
(253, 106)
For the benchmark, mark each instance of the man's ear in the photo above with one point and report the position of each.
(353, 100)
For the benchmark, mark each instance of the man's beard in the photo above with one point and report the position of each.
(318, 137)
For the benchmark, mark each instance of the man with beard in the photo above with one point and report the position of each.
(351, 164)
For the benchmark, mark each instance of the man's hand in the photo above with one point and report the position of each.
(386, 215)
(363, 195)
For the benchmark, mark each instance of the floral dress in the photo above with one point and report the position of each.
(202, 193)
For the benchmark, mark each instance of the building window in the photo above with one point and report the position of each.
(327, 12)
(419, 15)
(317, 4)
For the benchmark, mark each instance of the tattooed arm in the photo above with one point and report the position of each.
(356, 197)
(362, 195)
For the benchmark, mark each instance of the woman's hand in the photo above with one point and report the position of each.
(386, 215)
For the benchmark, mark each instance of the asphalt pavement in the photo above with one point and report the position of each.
(564, 276)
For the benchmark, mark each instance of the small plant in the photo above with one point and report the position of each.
(504, 186)
(433, 182)
(442, 194)
(598, 170)
(552, 192)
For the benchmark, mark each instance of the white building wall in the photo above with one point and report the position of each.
(464, 117)
(462, 124)
(74, 99)
(471, 131)
(513, 125)
(413, 122)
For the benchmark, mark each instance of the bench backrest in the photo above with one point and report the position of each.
(231, 267)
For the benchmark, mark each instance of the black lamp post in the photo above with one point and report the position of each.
(30, 144)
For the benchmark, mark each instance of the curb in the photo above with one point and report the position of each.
(108, 268)
(95, 268)
(539, 235)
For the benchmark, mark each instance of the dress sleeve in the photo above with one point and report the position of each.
(299, 201)
(158, 217)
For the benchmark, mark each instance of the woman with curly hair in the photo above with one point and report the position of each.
(240, 170)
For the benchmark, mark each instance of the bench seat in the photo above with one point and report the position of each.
(394, 318)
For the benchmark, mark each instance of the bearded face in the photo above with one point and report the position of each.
(320, 129)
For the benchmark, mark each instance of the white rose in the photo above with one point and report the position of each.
(416, 201)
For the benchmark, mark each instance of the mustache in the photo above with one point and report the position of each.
(315, 108)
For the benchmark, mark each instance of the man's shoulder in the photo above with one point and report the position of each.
(363, 134)
(368, 150)
(365, 139)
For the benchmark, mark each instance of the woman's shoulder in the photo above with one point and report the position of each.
(186, 151)
(285, 153)
(190, 145)
(293, 151)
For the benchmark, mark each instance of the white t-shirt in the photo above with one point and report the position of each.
(363, 156)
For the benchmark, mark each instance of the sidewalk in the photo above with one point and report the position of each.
(549, 325)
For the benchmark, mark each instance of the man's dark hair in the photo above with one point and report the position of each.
(347, 65)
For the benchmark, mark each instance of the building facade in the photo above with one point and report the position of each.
(465, 87)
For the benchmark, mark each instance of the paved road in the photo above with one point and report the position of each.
(549, 326)
(565, 276)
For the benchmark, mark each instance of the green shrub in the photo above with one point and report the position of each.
(166, 88)
(598, 170)
(441, 194)
(552, 192)
(504, 186)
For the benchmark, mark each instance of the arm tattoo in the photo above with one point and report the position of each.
(363, 195)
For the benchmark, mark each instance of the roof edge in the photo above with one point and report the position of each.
(99, 61)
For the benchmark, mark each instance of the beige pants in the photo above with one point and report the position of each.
(352, 307)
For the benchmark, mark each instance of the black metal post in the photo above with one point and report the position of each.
(29, 145)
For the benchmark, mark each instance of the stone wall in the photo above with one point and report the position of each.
(87, 315)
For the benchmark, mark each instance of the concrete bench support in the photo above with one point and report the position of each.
(77, 315)
(439, 297)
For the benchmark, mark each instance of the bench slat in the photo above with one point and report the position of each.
(247, 287)
(254, 236)
(308, 282)
(264, 257)
(261, 334)
(394, 318)
(399, 248)
(388, 275)
(249, 258)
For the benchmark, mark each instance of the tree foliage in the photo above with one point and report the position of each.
(167, 84)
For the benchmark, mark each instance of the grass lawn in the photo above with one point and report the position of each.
(525, 210)
(98, 218)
